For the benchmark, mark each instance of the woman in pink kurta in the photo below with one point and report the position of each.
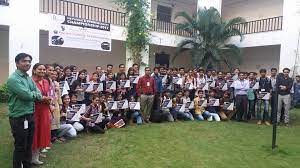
(42, 123)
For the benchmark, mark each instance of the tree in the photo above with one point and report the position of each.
(209, 35)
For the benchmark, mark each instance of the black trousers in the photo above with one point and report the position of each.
(23, 140)
(99, 127)
(241, 106)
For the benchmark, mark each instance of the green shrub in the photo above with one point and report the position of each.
(3, 93)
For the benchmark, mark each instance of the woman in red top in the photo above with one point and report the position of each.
(42, 136)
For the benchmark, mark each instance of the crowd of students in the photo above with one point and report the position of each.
(113, 99)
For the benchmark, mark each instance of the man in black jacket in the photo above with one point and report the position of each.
(284, 85)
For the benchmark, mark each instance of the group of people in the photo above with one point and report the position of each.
(57, 102)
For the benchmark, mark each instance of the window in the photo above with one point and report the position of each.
(164, 13)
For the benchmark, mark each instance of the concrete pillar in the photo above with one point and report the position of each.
(210, 3)
(23, 30)
(145, 53)
(290, 35)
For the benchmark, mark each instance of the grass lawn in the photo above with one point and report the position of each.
(180, 144)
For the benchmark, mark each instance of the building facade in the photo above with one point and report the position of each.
(271, 33)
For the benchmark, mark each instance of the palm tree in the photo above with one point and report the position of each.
(209, 35)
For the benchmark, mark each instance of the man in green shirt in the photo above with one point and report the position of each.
(22, 95)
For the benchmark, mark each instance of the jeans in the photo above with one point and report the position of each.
(67, 130)
(136, 115)
(185, 115)
(284, 100)
(211, 116)
(199, 117)
(23, 140)
(266, 110)
(251, 109)
(146, 105)
(78, 126)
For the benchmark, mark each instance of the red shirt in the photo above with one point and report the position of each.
(145, 85)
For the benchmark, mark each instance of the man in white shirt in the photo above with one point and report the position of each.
(241, 87)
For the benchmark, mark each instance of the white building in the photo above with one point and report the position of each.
(270, 38)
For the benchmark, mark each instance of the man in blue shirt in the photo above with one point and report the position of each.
(159, 89)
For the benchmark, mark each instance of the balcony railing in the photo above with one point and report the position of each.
(67, 8)
(167, 27)
(4, 2)
(63, 7)
(263, 25)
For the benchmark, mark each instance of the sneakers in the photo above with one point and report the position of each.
(259, 122)
(210, 118)
(267, 123)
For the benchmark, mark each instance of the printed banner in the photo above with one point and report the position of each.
(72, 32)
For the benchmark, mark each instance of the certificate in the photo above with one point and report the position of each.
(213, 102)
(263, 95)
(124, 83)
(202, 103)
(80, 108)
(189, 86)
(134, 106)
(134, 79)
(167, 103)
(96, 118)
(180, 108)
(111, 105)
(72, 115)
(123, 104)
(228, 106)
(111, 85)
(189, 105)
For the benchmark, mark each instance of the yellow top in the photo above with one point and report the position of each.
(198, 109)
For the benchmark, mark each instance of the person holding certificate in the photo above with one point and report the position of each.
(263, 96)
(77, 89)
(121, 85)
(42, 130)
(95, 121)
(166, 110)
(212, 108)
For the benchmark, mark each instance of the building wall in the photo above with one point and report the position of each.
(4, 38)
(183, 60)
(189, 6)
(87, 59)
(255, 58)
(252, 9)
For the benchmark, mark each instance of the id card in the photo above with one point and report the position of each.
(263, 90)
(25, 124)
(148, 84)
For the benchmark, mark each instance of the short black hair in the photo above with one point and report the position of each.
(262, 71)
(22, 56)
(274, 69)
(121, 65)
(181, 68)
(148, 68)
(109, 65)
(155, 68)
(286, 69)
(135, 64)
